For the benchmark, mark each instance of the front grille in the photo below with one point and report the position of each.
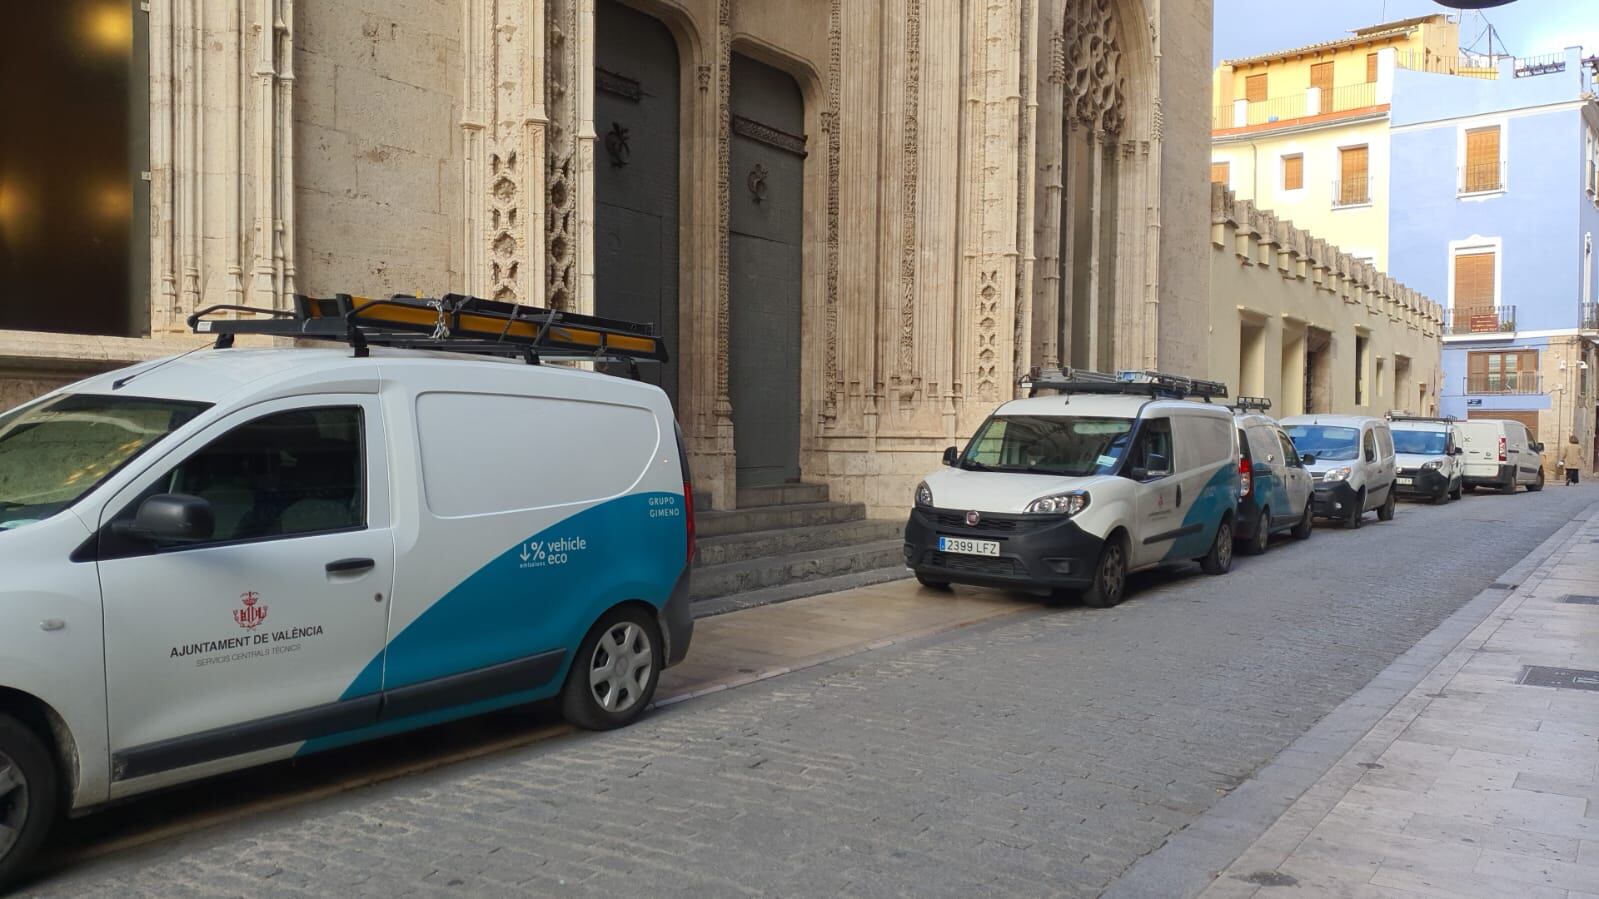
(1409, 472)
(978, 564)
(994, 523)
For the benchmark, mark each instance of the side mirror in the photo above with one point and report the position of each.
(1156, 466)
(1308, 459)
(172, 518)
(1458, 451)
(1537, 447)
(952, 456)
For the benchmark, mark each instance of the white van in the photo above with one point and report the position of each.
(1500, 454)
(236, 556)
(1072, 492)
(1275, 491)
(1352, 459)
(1430, 455)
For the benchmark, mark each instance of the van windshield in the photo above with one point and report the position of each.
(1420, 443)
(1326, 442)
(1049, 444)
(52, 453)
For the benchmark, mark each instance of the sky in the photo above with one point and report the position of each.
(1527, 27)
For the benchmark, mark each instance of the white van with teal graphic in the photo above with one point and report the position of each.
(241, 555)
(1070, 493)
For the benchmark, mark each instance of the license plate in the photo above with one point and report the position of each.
(968, 547)
(1404, 482)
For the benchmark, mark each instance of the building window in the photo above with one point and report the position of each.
(1219, 173)
(1482, 171)
(1474, 281)
(1362, 361)
(1354, 187)
(1371, 68)
(1255, 88)
(1504, 371)
(73, 205)
(1294, 171)
(1321, 77)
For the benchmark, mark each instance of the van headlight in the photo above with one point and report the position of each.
(1335, 475)
(1434, 465)
(1067, 504)
(924, 495)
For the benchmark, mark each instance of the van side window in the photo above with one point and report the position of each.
(286, 474)
(1290, 453)
(1370, 444)
(1385, 442)
(1153, 451)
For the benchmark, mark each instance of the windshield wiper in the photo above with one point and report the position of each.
(973, 465)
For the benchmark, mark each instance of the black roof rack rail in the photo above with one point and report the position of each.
(1138, 383)
(452, 323)
(1251, 404)
(1405, 416)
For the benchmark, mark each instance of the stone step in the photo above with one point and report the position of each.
(781, 495)
(705, 608)
(714, 581)
(782, 541)
(767, 518)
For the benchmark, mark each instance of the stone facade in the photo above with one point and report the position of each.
(984, 185)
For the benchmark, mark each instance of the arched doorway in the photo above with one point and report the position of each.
(765, 229)
(636, 111)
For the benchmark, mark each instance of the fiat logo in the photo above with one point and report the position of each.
(972, 518)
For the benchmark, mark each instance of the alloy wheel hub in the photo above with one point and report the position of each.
(13, 804)
(621, 668)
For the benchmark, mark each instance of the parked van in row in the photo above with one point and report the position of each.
(1071, 492)
(1275, 491)
(1501, 455)
(1352, 460)
(236, 556)
(1430, 456)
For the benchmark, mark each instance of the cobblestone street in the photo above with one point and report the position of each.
(1037, 753)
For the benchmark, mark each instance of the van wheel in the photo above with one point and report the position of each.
(1356, 516)
(1110, 577)
(932, 583)
(1454, 492)
(28, 797)
(1220, 558)
(615, 671)
(1262, 539)
(1306, 524)
(1385, 512)
(1537, 485)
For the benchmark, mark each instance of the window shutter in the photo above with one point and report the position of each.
(1255, 88)
(1219, 173)
(1371, 68)
(1352, 175)
(1482, 159)
(1293, 172)
(1474, 281)
(1321, 75)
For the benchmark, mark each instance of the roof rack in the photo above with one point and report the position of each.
(1252, 404)
(453, 323)
(1405, 416)
(1144, 383)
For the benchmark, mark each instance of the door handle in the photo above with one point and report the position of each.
(1179, 495)
(350, 566)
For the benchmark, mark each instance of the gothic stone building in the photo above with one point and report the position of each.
(855, 220)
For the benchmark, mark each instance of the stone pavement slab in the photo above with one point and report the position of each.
(1474, 784)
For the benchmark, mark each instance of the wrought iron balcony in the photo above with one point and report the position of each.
(1480, 320)
(1504, 383)
(1352, 191)
(1589, 317)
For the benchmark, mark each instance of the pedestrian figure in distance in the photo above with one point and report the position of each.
(1570, 459)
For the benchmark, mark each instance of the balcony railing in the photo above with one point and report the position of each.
(1518, 383)
(1287, 108)
(1485, 67)
(1480, 320)
(1588, 318)
(1481, 178)
(1350, 96)
(1351, 191)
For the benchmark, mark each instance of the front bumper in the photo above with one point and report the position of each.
(1427, 482)
(1334, 500)
(1036, 552)
(1506, 475)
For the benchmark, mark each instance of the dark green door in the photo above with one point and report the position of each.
(766, 171)
(636, 174)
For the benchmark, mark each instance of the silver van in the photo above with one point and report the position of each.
(1352, 459)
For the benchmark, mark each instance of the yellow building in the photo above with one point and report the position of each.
(1304, 132)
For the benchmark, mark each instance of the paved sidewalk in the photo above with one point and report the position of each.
(1474, 784)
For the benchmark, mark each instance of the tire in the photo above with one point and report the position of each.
(1258, 544)
(1219, 560)
(1306, 524)
(1356, 516)
(1537, 485)
(1442, 497)
(1110, 577)
(1385, 512)
(627, 634)
(1455, 491)
(29, 797)
(932, 583)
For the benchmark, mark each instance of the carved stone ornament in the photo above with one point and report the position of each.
(757, 182)
(1089, 54)
(617, 145)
